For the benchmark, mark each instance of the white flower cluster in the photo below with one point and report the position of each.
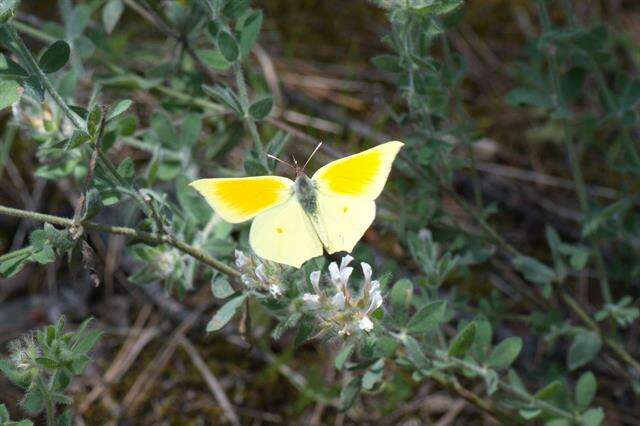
(342, 309)
(258, 275)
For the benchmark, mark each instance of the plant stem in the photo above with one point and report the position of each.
(251, 124)
(129, 232)
(50, 408)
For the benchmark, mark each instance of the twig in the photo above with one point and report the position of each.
(212, 382)
(129, 232)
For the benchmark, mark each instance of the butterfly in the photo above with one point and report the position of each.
(294, 220)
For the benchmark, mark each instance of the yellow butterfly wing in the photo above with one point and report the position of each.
(285, 234)
(360, 175)
(239, 199)
(347, 189)
(344, 220)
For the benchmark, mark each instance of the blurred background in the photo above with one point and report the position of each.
(315, 58)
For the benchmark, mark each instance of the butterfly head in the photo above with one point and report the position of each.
(299, 170)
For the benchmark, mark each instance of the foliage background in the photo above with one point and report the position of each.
(501, 120)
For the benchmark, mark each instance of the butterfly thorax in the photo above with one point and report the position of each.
(305, 190)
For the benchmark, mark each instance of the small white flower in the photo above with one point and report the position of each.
(275, 290)
(311, 299)
(246, 280)
(242, 259)
(367, 272)
(346, 260)
(261, 274)
(338, 301)
(314, 277)
(335, 273)
(376, 301)
(365, 324)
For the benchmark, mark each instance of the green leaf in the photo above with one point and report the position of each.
(505, 352)
(213, 59)
(401, 295)
(250, 31)
(415, 353)
(584, 347)
(47, 363)
(8, 9)
(4, 413)
(10, 93)
(593, 417)
(79, 137)
(553, 239)
(428, 317)
(190, 130)
(87, 342)
(612, 212)
(33, 401)
(13, 262)
(34, 88)
(463, 341)
(236, 8)
(119, 108)
(586, 389)
(349, 393)
(259, 110)
(226, 96)
(390, 63)
(9, 68)
(228, 46)
(93, 120)
(225, 313)
(522, 96)
(221, 288)
(533, 270)
(343, 355)
(44, 255)
(66, 419)
(549, 391)
(55, 57)
(111, 14)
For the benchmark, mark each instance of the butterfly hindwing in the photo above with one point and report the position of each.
(360, 175)
(239, 199)
(343, 220)
(285, 234)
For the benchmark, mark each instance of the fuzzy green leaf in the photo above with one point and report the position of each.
(10, 93)
(250, 31)
(120, 108)
(533, 270)
(463, 341)
(259, 110)
(505, 352)
(111, 14)
(55, 57)
(225, 313)
(593, 417)
(586, 389)
(228, 46)
(401, 295)
(343, 355)
(584, 347)
(428, 317)
(349, 393)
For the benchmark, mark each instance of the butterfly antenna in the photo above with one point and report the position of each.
(311, 156)
(282, 161)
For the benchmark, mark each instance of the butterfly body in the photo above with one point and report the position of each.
(295, 220)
